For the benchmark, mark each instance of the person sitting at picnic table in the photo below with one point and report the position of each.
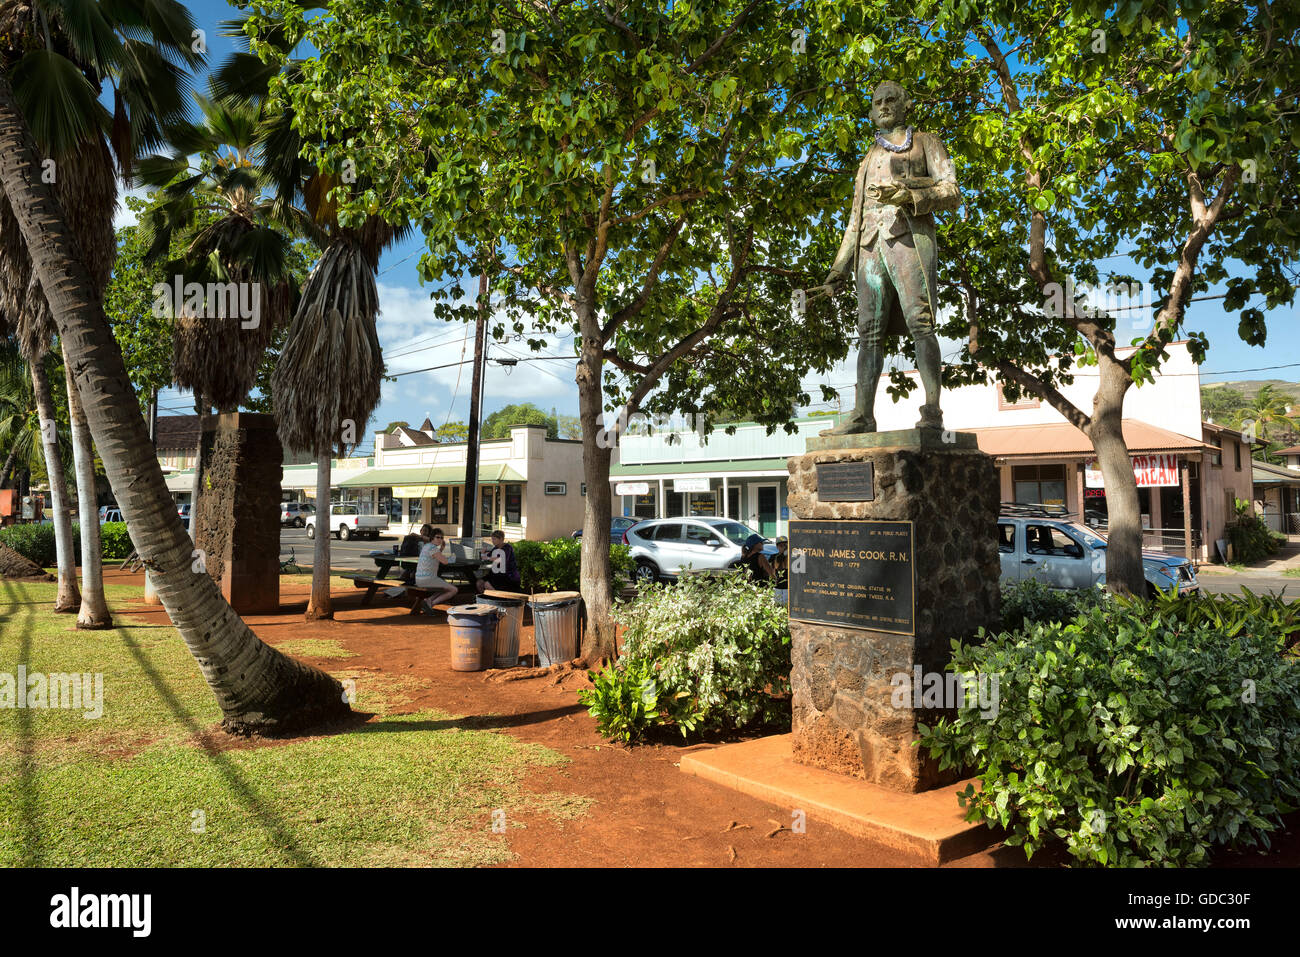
(433, 555)
(503, 572)
(753, 559)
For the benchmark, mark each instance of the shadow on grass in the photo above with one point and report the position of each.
(476, 722)
(283, 836)
(33, 848)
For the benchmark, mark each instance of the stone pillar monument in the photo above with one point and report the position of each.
(893, 544)
(238, 522)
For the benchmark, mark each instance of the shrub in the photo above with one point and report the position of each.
(1250, 536)
(36, 541)
(557, 565)
(1029, 601)
(704, 654)
(1136, 736)
(114, 540)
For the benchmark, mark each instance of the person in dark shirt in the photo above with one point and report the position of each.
(753, 559)
(503, 573)
(781, 563)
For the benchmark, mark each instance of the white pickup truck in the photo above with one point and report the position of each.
(346, 521)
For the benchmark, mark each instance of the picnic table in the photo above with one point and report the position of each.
(386, 560)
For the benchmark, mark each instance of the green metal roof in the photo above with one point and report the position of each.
(696, 468)
(429, 475)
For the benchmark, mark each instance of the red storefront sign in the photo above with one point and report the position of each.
(1151, 471)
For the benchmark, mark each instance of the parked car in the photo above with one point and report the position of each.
(663, 547)
(346, 521)
(1064, 554)
(109, 513)
(617, 526)
(295, 513)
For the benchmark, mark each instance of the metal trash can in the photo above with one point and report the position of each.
(555, 626)
(473, 636)
(511, 606)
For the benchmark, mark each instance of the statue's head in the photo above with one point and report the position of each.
(890, 105)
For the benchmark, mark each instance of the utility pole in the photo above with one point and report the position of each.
(469, 526)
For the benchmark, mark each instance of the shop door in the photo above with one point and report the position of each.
(765, 511)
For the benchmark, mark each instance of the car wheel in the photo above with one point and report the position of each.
(647, 572)
(311, 531)
(345, 533)
(299, 523)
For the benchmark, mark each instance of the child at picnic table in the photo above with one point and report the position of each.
(503, 572)
(433, 555)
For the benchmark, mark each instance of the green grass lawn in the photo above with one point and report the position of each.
(137, 787)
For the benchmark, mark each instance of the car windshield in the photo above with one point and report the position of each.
(1090, 537)
(735, 532)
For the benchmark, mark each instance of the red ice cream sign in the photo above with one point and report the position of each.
(1151, 471)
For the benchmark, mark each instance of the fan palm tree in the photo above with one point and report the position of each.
(20, 427)
(61, 57)
(222, 211)
(257, 687)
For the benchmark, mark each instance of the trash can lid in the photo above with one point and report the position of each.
(476, 611)
(555, 597)
(517, 595)
(503, 599)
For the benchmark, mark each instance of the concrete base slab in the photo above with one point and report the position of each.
(930, 824)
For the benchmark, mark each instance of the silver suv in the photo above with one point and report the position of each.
(663, 547)
(1065, 554)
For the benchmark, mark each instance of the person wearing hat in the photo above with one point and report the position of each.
(781, 563)
(753, 559)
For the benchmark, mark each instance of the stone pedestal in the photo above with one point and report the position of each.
(850, 713)
(238, 521)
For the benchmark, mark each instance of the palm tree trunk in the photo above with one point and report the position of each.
(258, 688)
(9, 464)
(68, 599)
(200, 408)
(94, 609)
(321, 605)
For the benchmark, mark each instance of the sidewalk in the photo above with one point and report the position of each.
(1287, 557)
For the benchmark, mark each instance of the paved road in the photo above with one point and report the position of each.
(350, 554)
(1221, 583)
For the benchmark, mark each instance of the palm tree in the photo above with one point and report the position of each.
(59, 55)
(327, 381)
(222, 210)
(1270, 411)
(257, 687)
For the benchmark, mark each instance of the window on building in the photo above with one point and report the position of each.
(439, 507)
(1024, 402)
(1039, 484)
(703, 503)
(733, 501)
(674, 504)
(514, 505)
(643, 506)
(1216, 457)
(416, 507)
(1236, 449)
(556, 488)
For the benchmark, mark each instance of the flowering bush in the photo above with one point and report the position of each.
(712, 652)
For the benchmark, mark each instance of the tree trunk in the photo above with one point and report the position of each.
(94, 609)
(68, 599)
(598, 642)
(200, 408)
(320, 605)
(1124, 535)
(258, 688)
(9, 464)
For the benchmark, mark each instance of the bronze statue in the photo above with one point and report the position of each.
(890, 243)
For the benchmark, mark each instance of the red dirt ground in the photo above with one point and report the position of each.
(646, 812)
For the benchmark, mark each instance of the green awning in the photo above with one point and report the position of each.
(429, 475)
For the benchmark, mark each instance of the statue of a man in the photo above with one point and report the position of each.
(890, 245)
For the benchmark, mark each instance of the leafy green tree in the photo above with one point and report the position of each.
(1222, 404)
(1082, 133)
(393, 425)
(452, 432)
(497, 425)
(633, 174)
(570, 426)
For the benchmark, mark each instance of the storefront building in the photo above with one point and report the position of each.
(1190, 473)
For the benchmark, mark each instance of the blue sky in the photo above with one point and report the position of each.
(413, 339)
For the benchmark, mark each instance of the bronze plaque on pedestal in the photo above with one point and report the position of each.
(856, 574)
(846, 482)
